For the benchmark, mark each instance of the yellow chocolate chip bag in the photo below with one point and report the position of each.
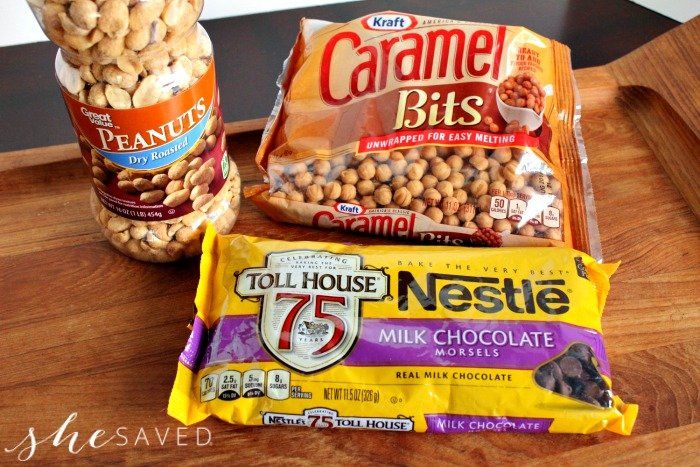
(398, 337)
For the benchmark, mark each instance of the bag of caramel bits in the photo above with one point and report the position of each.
(429, 129)
(405, 338)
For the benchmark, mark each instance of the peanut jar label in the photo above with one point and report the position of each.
(147, 162)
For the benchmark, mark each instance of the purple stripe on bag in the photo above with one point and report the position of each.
(415, 342)
(448, 423)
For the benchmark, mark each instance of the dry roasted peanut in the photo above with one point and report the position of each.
(332, 190)
(176, 198)
(178, 170)
(86, 74)
(365, 187)
(432, 197)
(96, 95)
(127, 186)
(154, 57)
(201, 201)
(349, 176)
(186, 234)
(449, 205)
(143, 184)
(198, 149)
(483, 220)
(502, 225)
(177, 14)
(429, 181)
(118, 224)
(417, 205)
(199, 190)
(445, 188)
(82, 43)
(160, 180)
(148, 92)
(99, 174)
(402, 197)
(435, 214)
(144, 13)
(83, 13)
(478, 187)
(117, 97)
(314, 193)
(466, 212)
(121, 237)
(138, 231)
(152, 196)
(348, 192)
(415, 187)
(173, 186)
(114, 18)
(211, 142)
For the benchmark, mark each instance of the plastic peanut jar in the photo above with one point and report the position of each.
(139, 82)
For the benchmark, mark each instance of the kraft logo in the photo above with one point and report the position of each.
(348, 208)
(389, 22)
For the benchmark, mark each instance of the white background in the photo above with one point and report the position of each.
(20, 27)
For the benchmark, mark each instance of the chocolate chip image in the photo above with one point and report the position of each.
(571, 367)
(575, 374)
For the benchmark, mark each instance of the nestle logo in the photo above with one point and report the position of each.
(348, 208)
(389, 22)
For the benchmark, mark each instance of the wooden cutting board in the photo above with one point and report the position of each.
(86, 330)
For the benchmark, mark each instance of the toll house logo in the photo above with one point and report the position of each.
(310, 305)
(321, 417)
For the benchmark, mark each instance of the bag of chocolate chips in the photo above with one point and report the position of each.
(405, 338)
(429, 129)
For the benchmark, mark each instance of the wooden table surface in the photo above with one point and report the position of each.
(88, 331)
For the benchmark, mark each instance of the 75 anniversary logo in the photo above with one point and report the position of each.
(310, 305)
